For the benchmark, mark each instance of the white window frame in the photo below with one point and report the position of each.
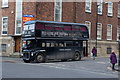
(110, 8)
(99, 29)
(99, 7)
(118, 32)
(118, 10)
(110, 33)
(88, 23)
(88, 4)
(60, 12)
(4, 3)
(2, 26)
(16, 17)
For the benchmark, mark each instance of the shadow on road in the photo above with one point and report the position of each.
(117, 70)
(58, 61)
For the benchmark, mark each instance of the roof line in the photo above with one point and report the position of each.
(54, 22)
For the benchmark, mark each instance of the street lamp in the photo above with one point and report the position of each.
(98, 5)
(96, 26)
(119, 51)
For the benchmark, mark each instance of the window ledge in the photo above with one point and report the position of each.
(4, 34)
(109, 39)
(88, 11)
(118, 16)
(4, 7)
(100, 14)
(18, 34)
(98, 38)
(109, 15)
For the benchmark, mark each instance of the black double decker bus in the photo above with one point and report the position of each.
(44, 40)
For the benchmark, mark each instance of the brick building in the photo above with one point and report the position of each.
(106, 17)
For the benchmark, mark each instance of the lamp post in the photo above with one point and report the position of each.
(119, 51)
(97, 5)
(96, 27)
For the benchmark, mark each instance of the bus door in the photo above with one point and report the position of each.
(59, 46)
(50, 50)
(78, 46)
(68, 49)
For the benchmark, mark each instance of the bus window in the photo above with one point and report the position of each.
(52, 45)
(47, 44)
(76, 44)
(69, 43)
(43, 44)
(81, 43)
(56, 44)
(64, 44)
(30, 44)
(61, 44)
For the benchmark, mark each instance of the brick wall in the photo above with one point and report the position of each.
(10, 12)
(29, 8)
(45, 11)
(68, 9)
(75, 12)
(71, 12)
(82, 16)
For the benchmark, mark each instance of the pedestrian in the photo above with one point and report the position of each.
(94, 51)
(113, 59)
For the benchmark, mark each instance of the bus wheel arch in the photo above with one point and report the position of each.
(40, 57)
(77, 56)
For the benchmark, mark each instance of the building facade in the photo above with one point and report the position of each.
(102, 19)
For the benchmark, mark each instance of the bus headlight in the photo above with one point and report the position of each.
(21, 54)
(32, 53)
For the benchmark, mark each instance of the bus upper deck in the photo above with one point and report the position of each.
(51, 29)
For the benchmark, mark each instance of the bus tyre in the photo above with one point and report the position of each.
(76, 56)
(40, 58)
(26, 61)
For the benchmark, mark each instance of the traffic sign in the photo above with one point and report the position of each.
(27, 17)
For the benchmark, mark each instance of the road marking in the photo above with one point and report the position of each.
(101, 62)
(78, 69)
(109, 68)
(85, 70)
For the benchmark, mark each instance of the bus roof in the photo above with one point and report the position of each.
(54, 22)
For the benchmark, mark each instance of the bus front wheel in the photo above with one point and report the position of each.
(76, 56)
(40, 58)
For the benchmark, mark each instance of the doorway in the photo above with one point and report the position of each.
(17, 44)
(85, 48)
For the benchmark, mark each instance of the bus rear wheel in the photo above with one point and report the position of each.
(40, 58)
(76, 56)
